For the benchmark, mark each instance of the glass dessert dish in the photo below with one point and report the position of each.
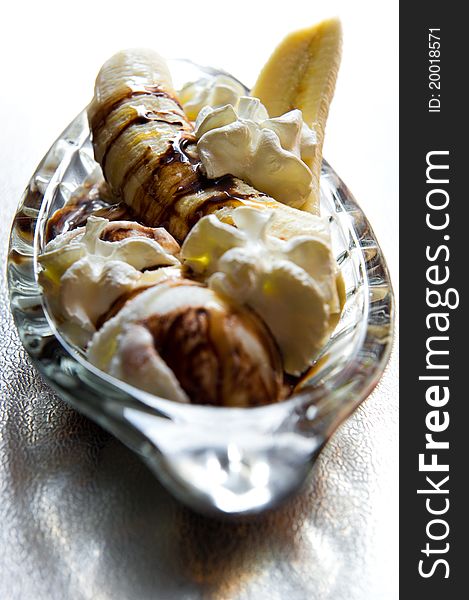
(229, 461)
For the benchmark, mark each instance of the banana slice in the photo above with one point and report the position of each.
(301, 73)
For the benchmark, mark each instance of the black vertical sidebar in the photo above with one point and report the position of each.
(434, 326)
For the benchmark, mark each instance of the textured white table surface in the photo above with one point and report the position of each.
(81, 516)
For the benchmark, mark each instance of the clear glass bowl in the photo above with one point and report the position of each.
(217, 460)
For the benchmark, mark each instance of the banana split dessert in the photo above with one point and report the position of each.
(200, 269)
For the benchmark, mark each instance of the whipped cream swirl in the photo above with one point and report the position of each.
(269, 154)
(214, 91)
(292, 285)
(83, 274)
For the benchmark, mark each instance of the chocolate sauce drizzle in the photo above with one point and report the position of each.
(100, 117)
(138, 119)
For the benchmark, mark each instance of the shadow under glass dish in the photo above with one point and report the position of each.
(217, 460)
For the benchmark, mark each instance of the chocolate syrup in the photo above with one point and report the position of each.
(93, 201)
(139, 119)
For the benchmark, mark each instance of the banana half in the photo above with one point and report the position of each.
(302, 73)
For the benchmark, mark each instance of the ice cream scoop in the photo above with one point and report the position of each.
(182, 341)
